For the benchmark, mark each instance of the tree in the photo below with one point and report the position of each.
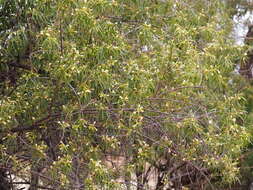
(147, 81)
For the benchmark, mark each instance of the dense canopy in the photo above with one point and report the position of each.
(119, 94)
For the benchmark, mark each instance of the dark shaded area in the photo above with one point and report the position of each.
(4, 182)
(246, 68)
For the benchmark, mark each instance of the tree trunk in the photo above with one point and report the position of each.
(34, 177)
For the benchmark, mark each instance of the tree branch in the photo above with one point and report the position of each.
(19, 65)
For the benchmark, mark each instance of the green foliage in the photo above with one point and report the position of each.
(144, 80)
